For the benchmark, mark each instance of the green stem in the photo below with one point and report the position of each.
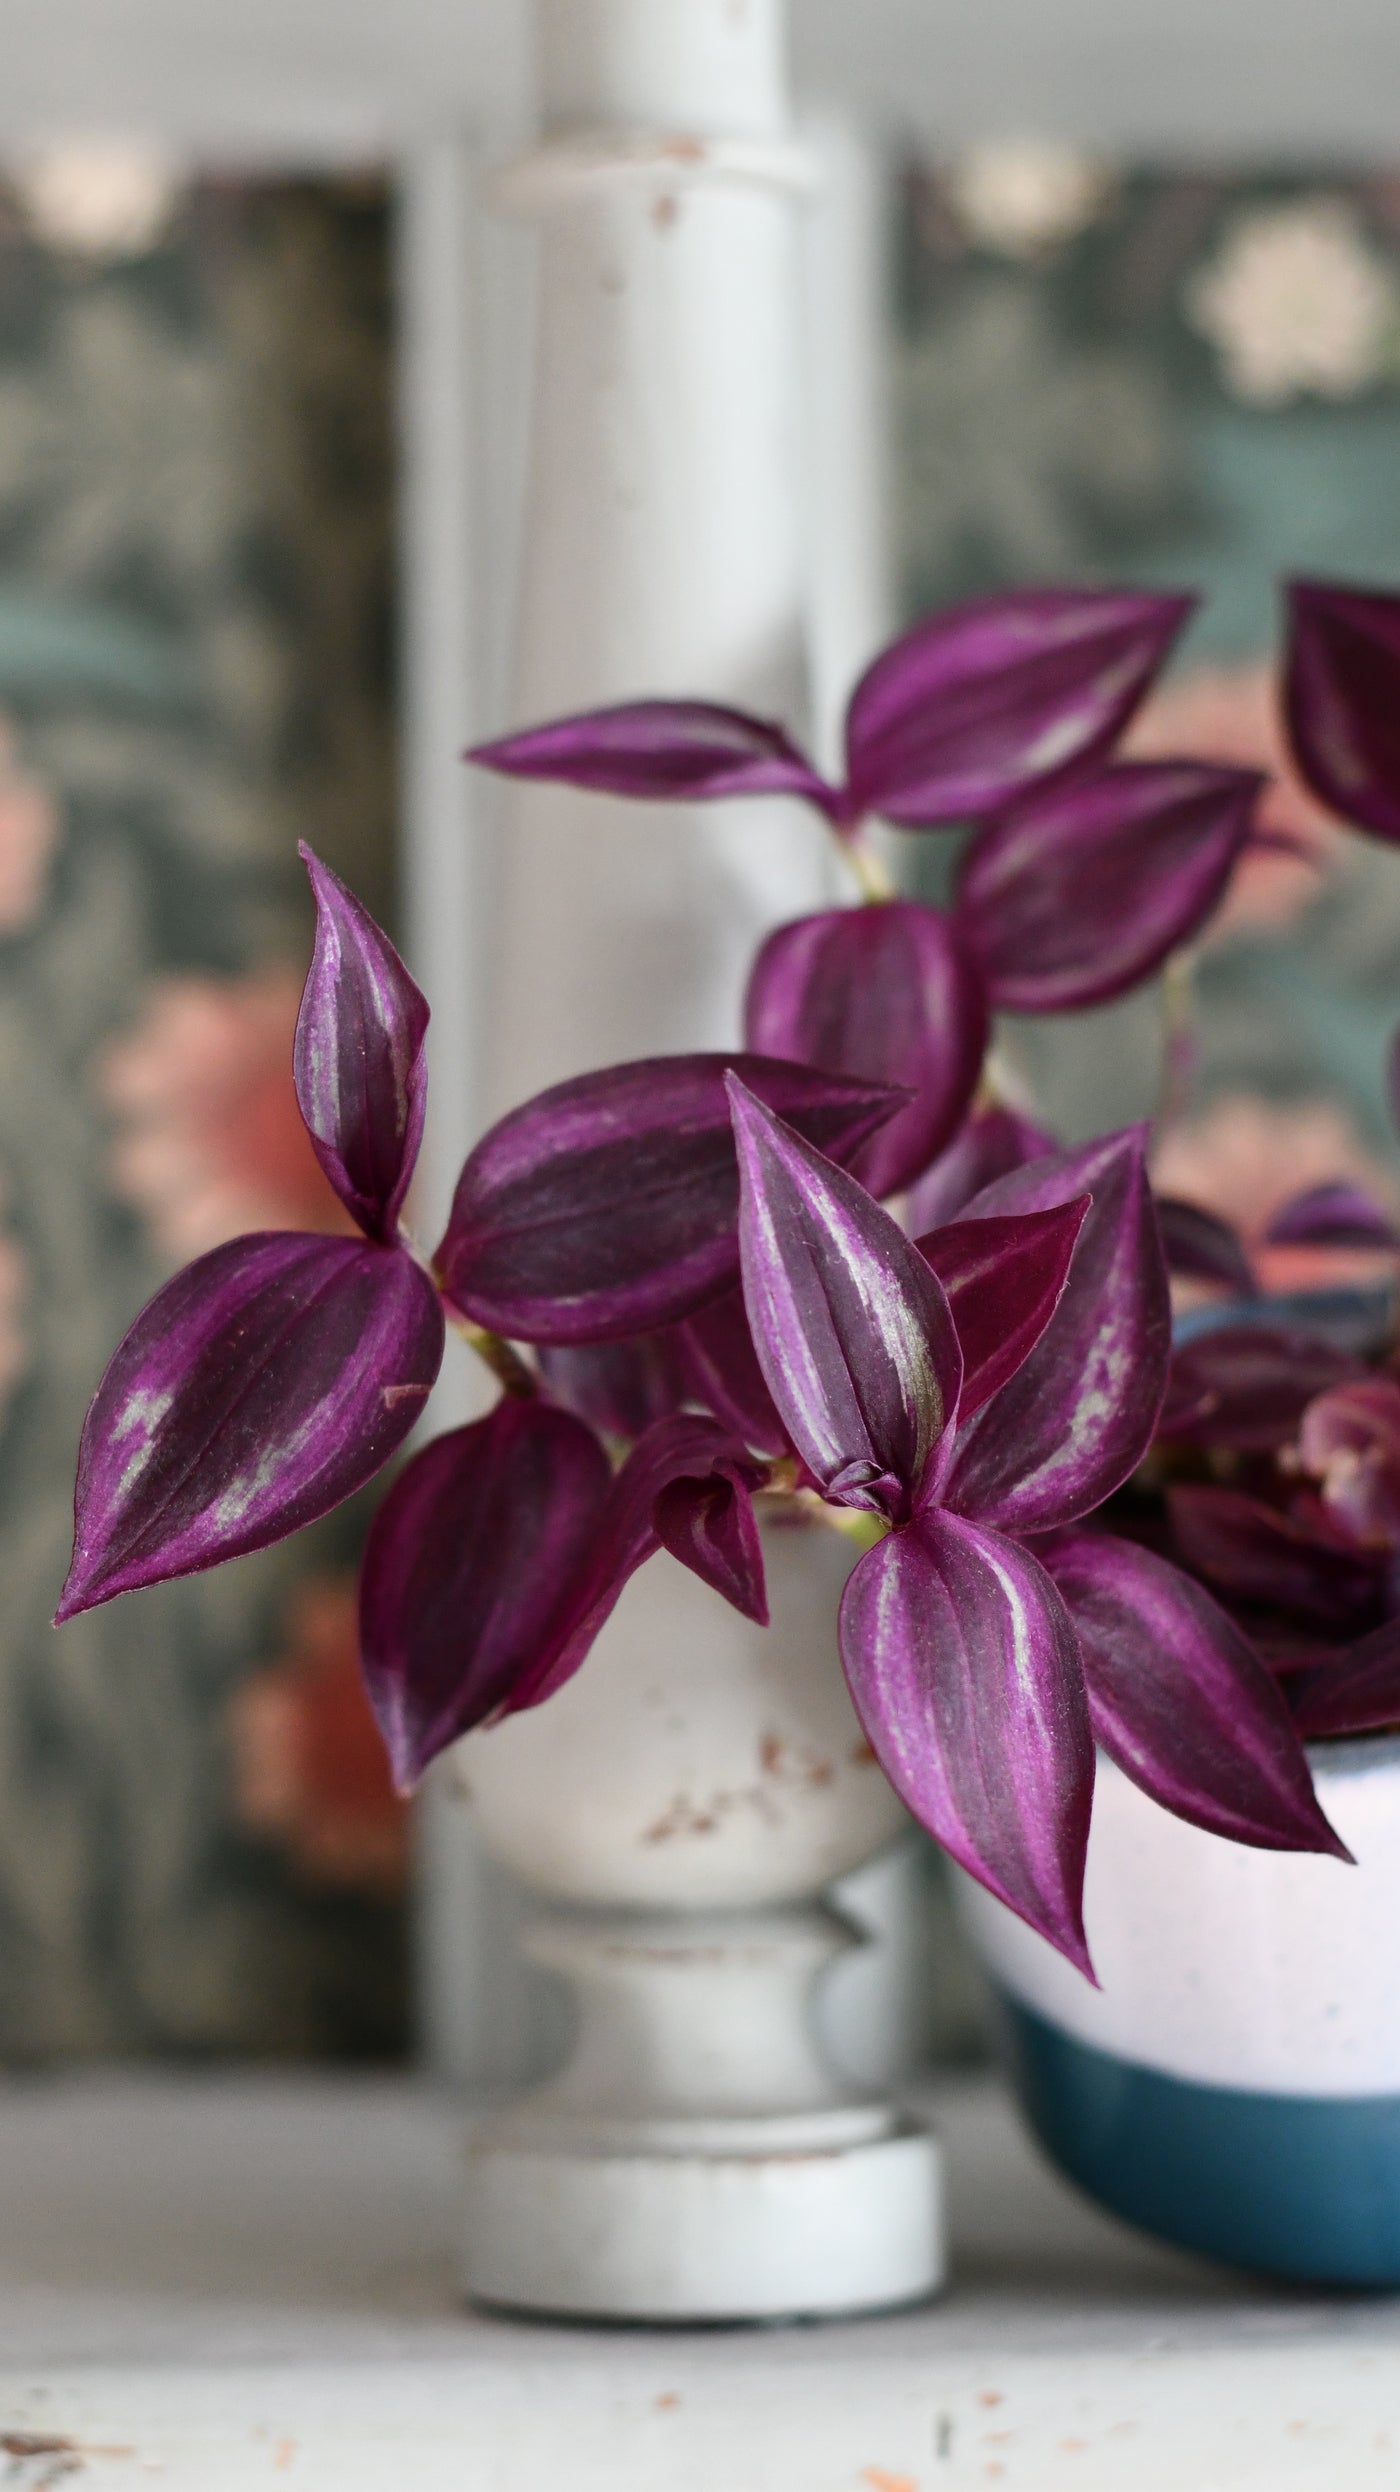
(505, 1363)
(1178, 1038)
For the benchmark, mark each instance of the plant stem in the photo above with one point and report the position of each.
(1178, 1038)
(505, 1363)
(875, 882)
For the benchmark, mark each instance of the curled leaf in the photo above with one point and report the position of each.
(660, 749)
(1333, 1215)
(1078, 1414)
(971, 709)
(263, 1385)
(1350, 1443)
(1200, 1246)
(990, 1144)
(1179, 1700)
(361, 1081)
(851, 1327)
(1342, 700)
(1004, 1279)
(608, 1205)
(964, 1669)
(888, 994)
(1079, 894)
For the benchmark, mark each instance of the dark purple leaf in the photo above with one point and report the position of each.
(1356, 1691)
(723, 1372)
(1081, 893)
(607, 1206)
(473, 1571)
(1180, 1701)
(1350, 1443)
(1078, 1415)
(1245, 1386)
(1265, 1559)
(361, 1080)
(710, 1525)
(886, 993)
(991, 1143)
(1200, 1246)
(1004, 1280)
(965, 1672)
(1332, 1215)
(977, 705)
(661, 749)
(619, 1387)
(1342, 700)
(852, 1329)
(262, 1386)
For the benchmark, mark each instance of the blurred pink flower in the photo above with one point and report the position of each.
(1231, 714)
(1245, 1157)
(209, 1139)
(28, 837)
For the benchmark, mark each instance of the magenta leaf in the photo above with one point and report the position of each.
(1080, 893)
(361, 1080)
(661, 749)
(710, 1525)
(1180, 1701)
(1245, 1387)
(1342, 700)
(1355, 1692)
(886, 993)
(1077, 1416)
(852, 1329)
(608, 1205)
(1003, 1279)
(1265, 1559)
(473, 1571)
(1350, 1444)
(722, 1369)
(992, 1142)
(976, 706)
(965, 1672)
(1200, 1246)
(619, 1387)
(262, 1386)
(1332, 1215)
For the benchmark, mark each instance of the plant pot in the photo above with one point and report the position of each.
(678, 1809)
(1234, 2085)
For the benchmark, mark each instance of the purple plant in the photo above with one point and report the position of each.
(758, 1327)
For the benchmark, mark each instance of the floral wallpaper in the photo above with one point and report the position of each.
(1194, 380)
(198, 1849)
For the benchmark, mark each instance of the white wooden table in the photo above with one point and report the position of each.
(222, 2284)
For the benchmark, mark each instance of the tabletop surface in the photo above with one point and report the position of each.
(224, 2283)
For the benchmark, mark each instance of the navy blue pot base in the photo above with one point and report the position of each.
(1289, 2185)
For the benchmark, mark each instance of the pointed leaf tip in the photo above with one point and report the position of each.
(361, 1078)
(1342, 700)
(683, 750)
(1004, 1279)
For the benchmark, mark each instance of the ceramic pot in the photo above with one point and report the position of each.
(1234, 2085)
(678, 1811)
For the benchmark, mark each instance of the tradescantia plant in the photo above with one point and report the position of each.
(758, 1330)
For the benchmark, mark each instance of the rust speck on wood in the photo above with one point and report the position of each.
(990, 2396)
(668, 2400)
(880, 2479)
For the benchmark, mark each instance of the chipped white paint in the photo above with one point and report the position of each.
(678, 1809)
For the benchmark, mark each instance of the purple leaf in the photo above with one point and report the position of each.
(1180, 1701)
(1350, 1443)
(1078, 1415)
(965, 1672)
(607, 1205)
(992, 1142)
(1200, 1246)
(1245, 1386)
(619, 1387)
(723, 1372)
(1081, 893)
(1268, 1560)
(710, 1525)
(976, 706)
(852, 1330)
(473, 1571)
(1342, 700)
(1355, 1692)
(262, 1386)
(361, 1080)
(1004, 1280)
(683, 749)
(886, 993)
(1332, 1215)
